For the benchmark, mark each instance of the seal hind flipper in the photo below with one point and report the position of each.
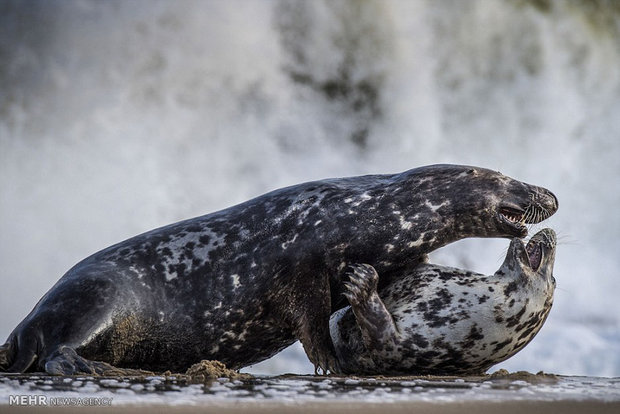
(18, 354)
(379, 332)
(65, 361)
(5, 352)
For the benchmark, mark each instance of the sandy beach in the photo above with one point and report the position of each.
(500, 392)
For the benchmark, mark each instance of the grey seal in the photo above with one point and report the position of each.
(240, 284)
(442, 320)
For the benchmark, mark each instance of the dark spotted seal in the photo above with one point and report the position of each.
(240, 284)
(441, 320)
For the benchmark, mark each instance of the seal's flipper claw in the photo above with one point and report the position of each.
(322, 356)
(327, 364)
(65, 361)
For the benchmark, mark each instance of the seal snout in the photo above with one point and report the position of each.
(543, 204)
(535, 208)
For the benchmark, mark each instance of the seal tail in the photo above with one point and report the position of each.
(12, 360)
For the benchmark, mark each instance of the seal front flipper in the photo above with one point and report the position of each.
(65, 361)
(319, 349)
(313, 333)
(312, 295)
(379, 333)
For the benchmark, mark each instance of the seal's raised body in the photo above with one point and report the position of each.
(240, 284)
(442, 320)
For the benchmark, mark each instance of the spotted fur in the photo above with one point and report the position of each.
(240, 284)
(441, 320)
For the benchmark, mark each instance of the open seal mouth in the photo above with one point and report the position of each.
(516, 218)
(539, 246)
(534, 253)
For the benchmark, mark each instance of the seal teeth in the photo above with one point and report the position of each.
(514, 217)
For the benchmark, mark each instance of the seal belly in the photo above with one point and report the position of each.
(159, 343)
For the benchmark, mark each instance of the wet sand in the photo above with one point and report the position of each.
(506, 407)
(501, 392)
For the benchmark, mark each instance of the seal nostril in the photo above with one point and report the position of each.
(549, 200)
(556, 203)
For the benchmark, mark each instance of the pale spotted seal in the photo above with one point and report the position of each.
(240, 284)
(442, 320)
